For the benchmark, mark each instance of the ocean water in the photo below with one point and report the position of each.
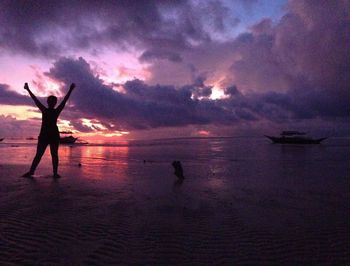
(220, 156)
(222, 164)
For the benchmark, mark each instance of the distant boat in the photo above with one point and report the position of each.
(68, 140)
(2, 139)
(30, 138)
(294, 137)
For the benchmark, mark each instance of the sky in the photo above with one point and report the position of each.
(157, 69)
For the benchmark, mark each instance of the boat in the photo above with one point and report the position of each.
(68, 140)
(294, 137)
(1, 139)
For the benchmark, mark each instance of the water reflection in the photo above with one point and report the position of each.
(216, 183)
(98, 162)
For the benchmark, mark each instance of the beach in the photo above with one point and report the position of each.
(243, 201)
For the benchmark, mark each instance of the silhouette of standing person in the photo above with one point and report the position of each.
(49, 134)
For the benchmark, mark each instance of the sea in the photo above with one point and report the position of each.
(225, 162)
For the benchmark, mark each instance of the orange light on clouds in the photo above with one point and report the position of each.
(20, 112)
(100, 130)
(94, 125)
(117, 133)
(65, 125)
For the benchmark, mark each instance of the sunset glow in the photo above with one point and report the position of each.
(217, 93)
(19, 112)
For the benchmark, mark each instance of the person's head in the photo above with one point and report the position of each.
(51, 101)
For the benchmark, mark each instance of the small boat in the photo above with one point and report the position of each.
(30, 138)
(2, 139)
(294, 137)
(68, 140)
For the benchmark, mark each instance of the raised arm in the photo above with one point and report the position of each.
(65, 99)
(36, 101)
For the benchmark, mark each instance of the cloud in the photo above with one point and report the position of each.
(149, 56)
(50, 28)
(305, 48)
(140, 106)
(143, 106)
(8, 96)
(298, 67)
(11, 127)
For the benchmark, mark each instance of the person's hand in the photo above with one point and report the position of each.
(72, 86)
(26, 87)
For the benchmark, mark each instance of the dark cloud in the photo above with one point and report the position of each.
(150, 56)
(12, 127)
(10, 97)
(232, 90)
(299, 66)
(306, 48)
(141, 106)
(144, 106)
(50, 28)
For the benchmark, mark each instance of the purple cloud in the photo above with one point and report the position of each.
(51, 28)
(10, 97)
(141, 106)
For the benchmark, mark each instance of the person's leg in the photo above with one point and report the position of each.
(40, 150)
(54, 155)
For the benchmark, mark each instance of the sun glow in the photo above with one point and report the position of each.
(217, 93)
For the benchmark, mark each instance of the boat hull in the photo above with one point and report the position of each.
(67, 140)
(295, 140)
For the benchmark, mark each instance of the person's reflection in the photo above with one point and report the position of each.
(178, 182)
(178, 171)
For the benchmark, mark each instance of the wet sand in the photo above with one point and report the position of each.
(130, 212)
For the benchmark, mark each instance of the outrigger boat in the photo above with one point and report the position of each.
(68, 139)
(294, 137)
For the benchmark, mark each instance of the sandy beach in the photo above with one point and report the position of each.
(231, 208)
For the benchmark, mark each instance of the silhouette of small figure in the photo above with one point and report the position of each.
(178, 169)
(49, 134)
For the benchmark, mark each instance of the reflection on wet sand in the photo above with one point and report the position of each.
(99, 162)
